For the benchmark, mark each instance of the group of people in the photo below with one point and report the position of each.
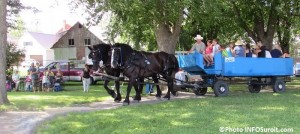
(237, 49)
(36, 81)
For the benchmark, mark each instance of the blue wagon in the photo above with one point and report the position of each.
(260, 71)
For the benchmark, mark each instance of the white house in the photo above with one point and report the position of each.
(37, 46)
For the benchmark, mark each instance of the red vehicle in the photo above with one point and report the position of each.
(70, 72)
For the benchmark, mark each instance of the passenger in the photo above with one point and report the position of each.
(268, 54)
(199, 46)
(286, 54)
(254, 55)
(276, 52)
(260, 50)
(239, 50)
(208, 53)
(216, 47)
(227, 52)
(248, 50)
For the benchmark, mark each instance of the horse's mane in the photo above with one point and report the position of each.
(103, 47)
(124, 47)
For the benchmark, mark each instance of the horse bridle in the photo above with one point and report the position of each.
(100, 57)
(120, 65)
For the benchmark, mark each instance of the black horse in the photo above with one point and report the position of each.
(137, 64)
(101, 60)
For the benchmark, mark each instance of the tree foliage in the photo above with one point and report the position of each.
(13, 55)
(143, 21)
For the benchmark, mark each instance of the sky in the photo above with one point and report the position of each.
(51, 16)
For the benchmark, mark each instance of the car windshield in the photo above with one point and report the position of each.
(298, 65)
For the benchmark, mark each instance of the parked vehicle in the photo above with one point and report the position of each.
(297, 69)
(71, 71)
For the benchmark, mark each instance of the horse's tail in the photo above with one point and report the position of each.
(173, 64)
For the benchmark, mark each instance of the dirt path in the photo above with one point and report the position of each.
(25, 122)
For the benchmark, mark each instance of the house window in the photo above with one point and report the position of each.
(87, 42)
(27, 44)
(71, 42)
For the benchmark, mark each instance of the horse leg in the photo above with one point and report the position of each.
(130, 84)
(170, 87)
(118, 96)
(109, 91)
(138, 89)
(158, 91)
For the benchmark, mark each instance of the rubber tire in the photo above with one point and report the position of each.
(279, 86)
(200, 91)
(254, 88)
(221, 88)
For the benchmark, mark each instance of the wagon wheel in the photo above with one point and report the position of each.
(200, 91)
(279, 86)
(254, 88)
(221, 88)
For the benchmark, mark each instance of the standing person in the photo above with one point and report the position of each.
(16, 79)
(34, 75)
(239, 50)
(86, 78)
(199, 46)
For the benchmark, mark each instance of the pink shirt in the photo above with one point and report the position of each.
(208, 50)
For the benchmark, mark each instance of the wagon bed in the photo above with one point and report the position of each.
(260, 71)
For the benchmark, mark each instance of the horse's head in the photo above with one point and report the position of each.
(115, 57)
(119, 54)
(99, 55)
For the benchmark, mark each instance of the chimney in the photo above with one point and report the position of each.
(64, 25)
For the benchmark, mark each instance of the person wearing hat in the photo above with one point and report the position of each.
(199, 46)
(239, 50)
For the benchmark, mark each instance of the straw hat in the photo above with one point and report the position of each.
(238, 43)
(198, 37)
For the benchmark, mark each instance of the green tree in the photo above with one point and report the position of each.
(18, 29)
(161, 19)
(263, 19)
(13, 55)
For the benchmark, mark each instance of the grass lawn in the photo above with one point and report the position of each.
(238, 110)
(72, 94)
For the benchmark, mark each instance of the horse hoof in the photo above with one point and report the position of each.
(125, 104)
(158, 98)
(136, 101)
(117, 101)
(175, 93)
(167, 98)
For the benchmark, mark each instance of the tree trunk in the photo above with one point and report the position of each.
(3, 43)
(167, 35)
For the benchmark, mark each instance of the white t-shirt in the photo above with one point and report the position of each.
(180, 76)
(216, 49)
(268, 54)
